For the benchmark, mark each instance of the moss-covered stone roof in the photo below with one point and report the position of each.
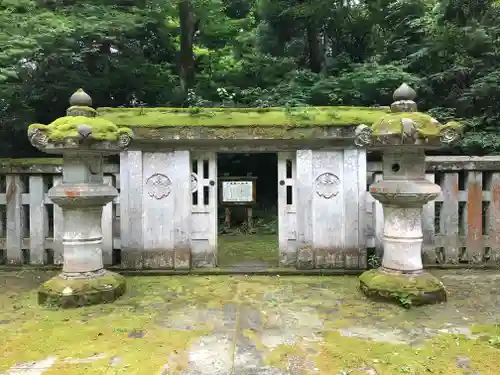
(67, 127)
(242, 117)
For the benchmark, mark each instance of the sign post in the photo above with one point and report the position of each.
(238, 191)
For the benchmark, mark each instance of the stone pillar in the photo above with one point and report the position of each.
(403, 193)
(82, 203)
(403, 136)
(83, 141)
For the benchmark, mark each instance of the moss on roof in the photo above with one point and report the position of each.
(232, 117)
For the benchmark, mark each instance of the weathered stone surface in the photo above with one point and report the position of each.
(404, 92)
(250, 266)
(202, 360)
(305, 258)
(60, 291)
(91, 359)
(34, 368)
(115, 361)
(362, 371)
(80, 98)
(463, 362)
(136, 334)
(218, 320)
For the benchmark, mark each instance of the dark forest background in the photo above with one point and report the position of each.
(250, 53)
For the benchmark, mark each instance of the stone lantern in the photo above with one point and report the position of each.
(403, 136)
(83, 140)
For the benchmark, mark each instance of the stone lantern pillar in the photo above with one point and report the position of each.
(83, 140)
(403, 136)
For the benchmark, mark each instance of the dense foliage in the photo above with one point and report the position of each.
(250, 53)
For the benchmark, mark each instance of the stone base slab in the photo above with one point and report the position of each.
(68, 292)
(407, 289)
(309, 257)
(207, 259)
(178, 259)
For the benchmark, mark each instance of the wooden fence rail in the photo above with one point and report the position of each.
(461, 227)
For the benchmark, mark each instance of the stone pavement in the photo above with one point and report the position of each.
(278, 326)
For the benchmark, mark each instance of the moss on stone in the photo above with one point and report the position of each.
(238, 132)
(401, 283)
(66, 293)
(30, 161)
(81, 108)
(281, 356)
(246, 117)
(391, 123)
(454, 125)
(426, 125)
(406, 289)
(67, 127)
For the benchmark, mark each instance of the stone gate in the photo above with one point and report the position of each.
(169, 187)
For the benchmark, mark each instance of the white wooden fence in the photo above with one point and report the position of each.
(461, 227)
(30, 224)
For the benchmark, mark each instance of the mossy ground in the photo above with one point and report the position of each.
(312, 316)
(235, 249)
(308, 116)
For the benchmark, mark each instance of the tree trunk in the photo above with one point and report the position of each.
(313, 45)
(186, 63)
(315, 55)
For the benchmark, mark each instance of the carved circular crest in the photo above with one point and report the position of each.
(327, 185)
(38, 138)
(194, 182)
(363, 136)
(124, 140)
(94, 165)
(158, 186)
(448, 135)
